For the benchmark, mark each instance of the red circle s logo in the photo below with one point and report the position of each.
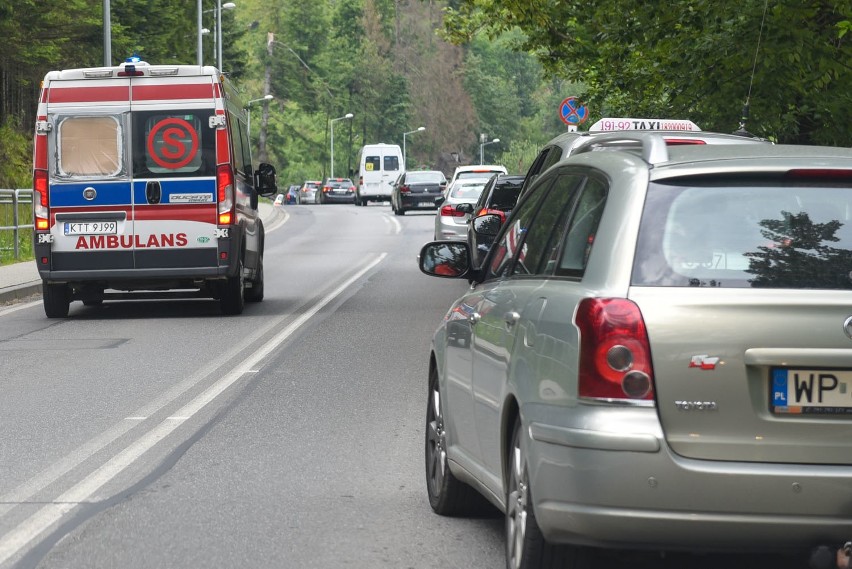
(179, 143)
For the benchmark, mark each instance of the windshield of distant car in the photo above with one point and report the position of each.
(467, 190)
(769, 234)
(339, 183)
(424, 177)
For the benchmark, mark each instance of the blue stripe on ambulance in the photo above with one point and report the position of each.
(107, 194)
(168, 188)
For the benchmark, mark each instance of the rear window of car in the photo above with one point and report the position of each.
(504, 196)
(339, 183)
(467, 191)
(391, 163)
(424, 177)
(477, 174)
(760, 234)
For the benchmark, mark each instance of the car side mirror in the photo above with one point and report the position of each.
(487, 225)
(465, 208)
(264, 179)
(447, 259)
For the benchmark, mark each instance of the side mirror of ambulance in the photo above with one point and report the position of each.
(264, 180)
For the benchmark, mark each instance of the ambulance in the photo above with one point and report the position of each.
(144, 188)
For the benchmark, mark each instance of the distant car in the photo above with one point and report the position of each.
(308, 191)
(279, 200)
(675, 132)
(656, 354)
(417, 189)
(498, 198)
(293, 196)
(336, 190)
(450, 222)
(476, 171)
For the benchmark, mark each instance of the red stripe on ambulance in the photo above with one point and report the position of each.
(173, 92)
(77, 94)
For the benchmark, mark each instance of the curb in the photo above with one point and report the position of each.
(19, 292)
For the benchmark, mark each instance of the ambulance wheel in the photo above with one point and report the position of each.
(255, 293)
(57, 298)
(233, 293)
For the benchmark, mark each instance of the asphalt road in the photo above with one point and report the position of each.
(162, 434)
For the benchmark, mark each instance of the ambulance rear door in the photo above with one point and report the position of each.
(90, 194)
(174, 173)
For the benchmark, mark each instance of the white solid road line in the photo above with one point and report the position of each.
(15, 541)
(395, 222)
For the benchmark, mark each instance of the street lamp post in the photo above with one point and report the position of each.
(265, 98)
(217, 30)
(483, 145)
(404, 155)
(331, 124)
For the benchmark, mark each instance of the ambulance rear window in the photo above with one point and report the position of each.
(173, 144)
(89, 146)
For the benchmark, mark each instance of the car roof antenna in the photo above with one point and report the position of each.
(744, 116)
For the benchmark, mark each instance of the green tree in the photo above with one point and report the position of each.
(693, 62)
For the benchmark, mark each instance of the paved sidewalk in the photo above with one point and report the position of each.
(20, 280)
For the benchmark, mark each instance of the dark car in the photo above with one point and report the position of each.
(336, 190)
(417, 190)
(498, 198)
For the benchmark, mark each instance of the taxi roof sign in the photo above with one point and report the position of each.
(615, 124)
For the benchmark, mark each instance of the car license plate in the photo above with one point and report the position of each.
(91, 227)
(426, 204)
(811, 391)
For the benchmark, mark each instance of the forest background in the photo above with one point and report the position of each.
(460, 68)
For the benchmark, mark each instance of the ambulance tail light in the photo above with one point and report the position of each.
(225, 194)
(41, 211)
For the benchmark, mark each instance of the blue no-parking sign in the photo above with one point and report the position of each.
(573, 112)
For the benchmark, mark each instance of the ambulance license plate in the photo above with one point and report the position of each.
(91, 227)
(811, 391)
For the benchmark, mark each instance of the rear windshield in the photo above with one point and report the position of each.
(424, 177)
(174, 144)
(467, 191)
(504, 196)
(339, 183)
(391, 163)
(481, 174)
(769, 234)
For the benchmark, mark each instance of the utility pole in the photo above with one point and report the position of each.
(262, 155)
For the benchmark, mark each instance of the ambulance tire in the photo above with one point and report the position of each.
(233, 301)
(56, 298)
(255, 293)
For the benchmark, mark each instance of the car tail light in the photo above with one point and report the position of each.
(225, 194)
(451, 211)
(615, 355)
(404, 189)
(41, 211)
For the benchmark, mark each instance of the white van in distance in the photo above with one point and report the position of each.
(379, 165)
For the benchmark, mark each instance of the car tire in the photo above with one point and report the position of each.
(56, 299)
(232, 301)
(255, 293)
(448, 496)
(526, 547)
(400, 211)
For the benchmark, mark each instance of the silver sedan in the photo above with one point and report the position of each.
(451, 223)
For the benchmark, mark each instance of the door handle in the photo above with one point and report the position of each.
(153, 192)
(511, 318)
(474, 317)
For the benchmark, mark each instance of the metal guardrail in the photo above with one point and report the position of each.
(16, 198)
